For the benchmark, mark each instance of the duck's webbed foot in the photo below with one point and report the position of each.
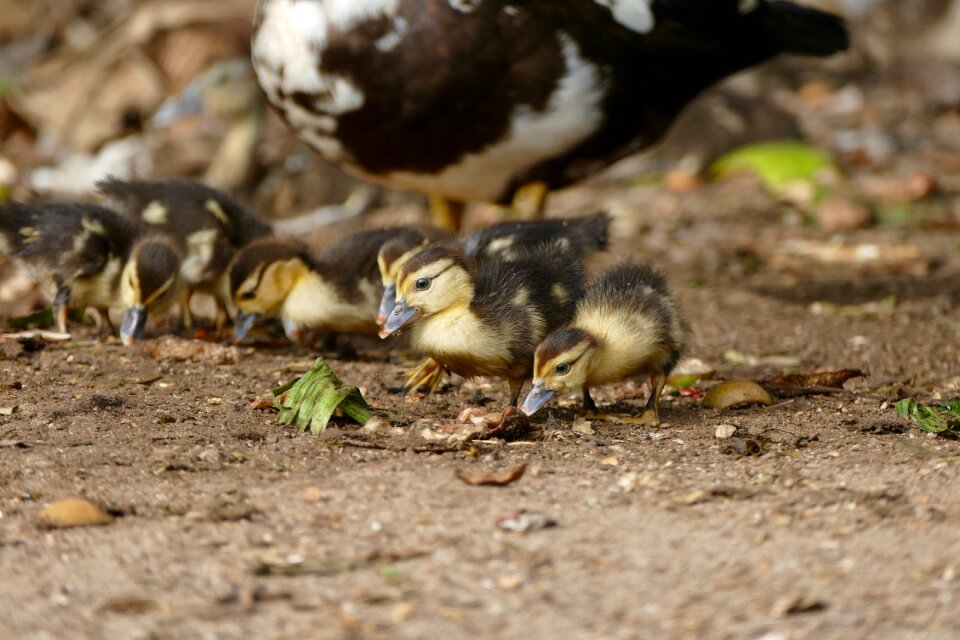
(446, 214)
(529, 201)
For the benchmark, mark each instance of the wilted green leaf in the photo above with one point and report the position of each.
(312, 398)
(776, 163)
(943, 419)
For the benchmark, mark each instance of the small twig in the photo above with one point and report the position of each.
(780, 404)
(425, 448)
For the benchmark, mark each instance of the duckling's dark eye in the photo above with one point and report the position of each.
(422, 284)
(249, 295)
(562, 368)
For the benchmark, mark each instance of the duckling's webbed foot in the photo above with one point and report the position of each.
(426, 377)
(651, 413)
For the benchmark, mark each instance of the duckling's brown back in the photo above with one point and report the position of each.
(579, 236)
(345, 263)
(636, 290)
(530, 295)
(73, 243)
(181, 208)
(16, 220)
(79, 237)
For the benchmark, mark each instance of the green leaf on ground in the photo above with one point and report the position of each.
(943, 419)
(312, 398)
(776, 163)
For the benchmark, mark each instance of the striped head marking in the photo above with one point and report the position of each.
(151, 277)
(434, 280)
(263, 274)
(562, 361)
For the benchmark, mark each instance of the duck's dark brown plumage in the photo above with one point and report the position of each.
(547, 91)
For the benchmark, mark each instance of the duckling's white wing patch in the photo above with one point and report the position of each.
(155, 213)
(200, 249)
(217, 211)
(573, 114)
(635, 15)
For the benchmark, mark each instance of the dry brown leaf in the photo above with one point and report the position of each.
(736, 393)
(498, 480)
(797, 253)
(831, 379)
(789, 606)
(73, 512)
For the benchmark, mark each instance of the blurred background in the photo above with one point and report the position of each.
(90, 88)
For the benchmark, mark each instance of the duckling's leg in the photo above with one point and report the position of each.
(651, 413)
(101, 321)
(185, 317)
(589, 406)
(223, 316)
(516, 385)
(427, 376)
(60, 308)
(446, 214)
(529, 200)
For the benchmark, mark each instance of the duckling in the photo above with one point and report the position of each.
(207, 225)
(485, 321)
(625, 325)
(88, 256)
(335, 289)
(580, 236)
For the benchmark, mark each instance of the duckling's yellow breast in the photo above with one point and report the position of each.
(315, 303)
(457, 339)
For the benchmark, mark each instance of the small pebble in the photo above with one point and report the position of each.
(725, 431)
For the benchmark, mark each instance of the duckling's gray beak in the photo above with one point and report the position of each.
(387, 302)
(537, 397)
(401, 316)
(242, 325)
(133, 325)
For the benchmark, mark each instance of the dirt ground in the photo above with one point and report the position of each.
(842, 523)
(229, 526)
